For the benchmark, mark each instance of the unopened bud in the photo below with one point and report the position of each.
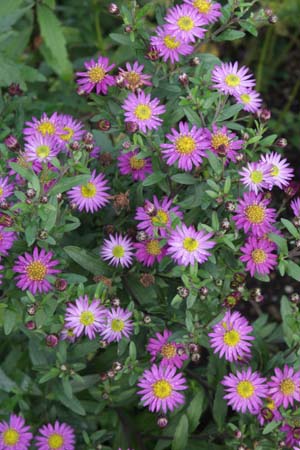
(105, 396)
(195, 357)
(43, 234)
(75, 145)
(14, 89)
(131, 127)
(273, 19)
(147, 319)
(31, 309)
(162, 421)
(230, 206)
(61, 284)
(44, 199)
(183, 79)
(152, 54)
(264, 114)
(103, 344)
(203, 290)
(80, 91)
(126, 145)
(59, 197)
(115, 302)
(296, 221)
(128, 28)
(225, 224)
(51, 340)
(147, 279)
(111, 373)
(219, 282)
(104, 125)
(238, 434)
(103, 376)
(88, 137)
(4, 204)
(195, 61)
(183, 291)
(30, 325)
(295, 297)
(281, 143)
(117, 366)
(89, 147)
(194, 348)
(268, 12)
(11, 142)
(291, 189)
(30, 193)
(113, 9)
(142, 236)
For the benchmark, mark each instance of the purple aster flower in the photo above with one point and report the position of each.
(229, 79)
(34, 271)
(284, 387)
(45, 126)
(117, 250)
(187, 147)
(188, 246)
(281, 172)
(168, 46)
(268, 413)
(230, 337)
(253, 215)
(7, 239)
(140, 109)
(209, 11)
(160, 388)
(133, 77)
(185, 22)
(256, 176)
(131, 164)
(91, 196)
(258, 256)
(292, 436)
(162, 346)
(14, 434)
(59, 437)
(72, 129)
(67, 334)
(117, 325)
(84, 317)
(224, 143)
(1, 274)
(161, 220)
(250, 99)
(41, 148)
(6, 188)
(295, 205)
(96, 76)
(245, 391)
(149, 252)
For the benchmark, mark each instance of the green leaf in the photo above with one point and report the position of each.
(121, 39)
(27, 174)
(184, 178)
(132, 351)
(227, 185)
(219, 407)
(229, 111)
(286, 311)
(181, 434)
(214, 162)
(293, 270)
(72, 403)
(154, 178)
(270, 427)
(195, 409)
(54, 40)
(192, 116)
(6, 384)
(67, 183)
(229, 35)
(291, 228)
(88, 261)
(10, 318)
(53, 373)
(280, 241)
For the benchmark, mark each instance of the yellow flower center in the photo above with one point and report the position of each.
(162, 389)
(117, 325)
(258, 256)
(185, 145)
(96, 74)
(36, 271)
(170, 42)
(43, 151)
(185, 23)
(68, 134)
(168, 351)
(87, 318)
(256, 176)
(245, 98)
(190, 244)
(255, 213)
(10, 436)
(46, 128)
(143, 112)
(133, 79)
(1, 191)
(203, 6)
(118, 251)
(231, 338)
(161, 218)
(275, 171)
(89, 190)
(287, 386)
(153, 247)
(219, 139)
(55, 441)
(136, 164)
(245, 389)
(232, 80)
(270, 404)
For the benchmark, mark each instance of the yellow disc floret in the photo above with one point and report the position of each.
(185, 145)
(36, 271)
(162, 389)
(245, 389)
(96, 74)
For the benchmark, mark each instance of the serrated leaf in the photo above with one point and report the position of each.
(181, 434)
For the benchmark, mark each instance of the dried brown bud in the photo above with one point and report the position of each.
(146, 279)
(105, 159)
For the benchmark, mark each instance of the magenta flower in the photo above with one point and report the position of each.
(281, 173)
(117, 325)
(133, 77)
(59, 437)
(91, 196)
(284, 387)
(14, 434)
(169, 46)
(292, 436)
(140, 109)
(224, 143)
(208, 10)
(245, 391)
(149, 252)
(268, 412)
(187, 147)
(67, 334)
(34, 271)
(256, 176)
(188, 246)
(253, 215)
(45, 126)
(185, 22)
(163, 347)
(6, 188)
(7, 239)
(258, 256)
(117, 250)
(231, 337)
(131, 164)
(295, 205)
(160, 388)
(72, 129)
(250, 99)
(228, 78)
(96, 77)
(41, 148)
(161, 220)
(84, 317)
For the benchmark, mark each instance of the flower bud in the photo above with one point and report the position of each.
(273, 19)
(291, 189)
(152, 54)
(183, 79)
(296, 221)
(51, 340)
(131, 127)
(194, 348)
(115, 302)
(162, 421)
(195, 357)
(295, 297)
(203, 291)
(113, 9)
(225, 224)
(147, 279)
(240, 157)
(103, 343)
(117, 366)
(281, 143)
(142, 236)
(105, 159)
(195, 61)
(88, 137)
(268, 12)
(105, 396)
(30, 193)
(6, 220)
(183, 291)
(126, 145)
(180, 351)
(147, 319)
(44, 199)
(219, 282)
(30, 325)
(238, 434)
(75, 145)
(63, 368)
(264, 114)
(239, 277)
(111, 373)
(61, 284)
(4, 204)
(14, 89)
(80, 91)
(59, 197)
(28, 201)
(43, 234)
(104, 125)
(232, 299)
(89, 147)
(230, 206)
(31, 309)
(128, 29)
(103, 376)
(11, 142)
(297, 243)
